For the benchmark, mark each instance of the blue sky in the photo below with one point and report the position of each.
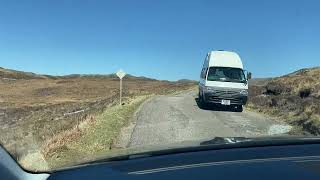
(163, 39)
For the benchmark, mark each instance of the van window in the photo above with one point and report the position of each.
(226, 74)
(204, 73)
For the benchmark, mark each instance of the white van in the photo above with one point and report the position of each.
(223, 80)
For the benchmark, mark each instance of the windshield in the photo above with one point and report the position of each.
(87, 80)
(226, 74)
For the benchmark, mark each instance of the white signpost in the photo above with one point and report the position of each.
(121, 75)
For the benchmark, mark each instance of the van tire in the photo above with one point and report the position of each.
(200, 98)
(202, 103)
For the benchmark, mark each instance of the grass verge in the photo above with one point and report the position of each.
(93, 136)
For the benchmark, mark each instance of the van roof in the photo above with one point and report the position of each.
(225, 59)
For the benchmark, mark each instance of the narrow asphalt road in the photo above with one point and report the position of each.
(176, 118)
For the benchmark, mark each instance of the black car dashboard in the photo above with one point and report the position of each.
(299, 161)
(274, 162)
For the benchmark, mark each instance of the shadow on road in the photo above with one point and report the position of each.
(214, 107)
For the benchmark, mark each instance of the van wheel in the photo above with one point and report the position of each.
(201, 100)
(238, 108)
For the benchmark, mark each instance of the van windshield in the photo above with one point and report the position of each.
(226, 74)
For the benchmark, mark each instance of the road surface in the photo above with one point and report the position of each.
(176, 118)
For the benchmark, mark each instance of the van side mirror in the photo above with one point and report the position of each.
(249, 75)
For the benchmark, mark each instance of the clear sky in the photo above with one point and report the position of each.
(163, 39)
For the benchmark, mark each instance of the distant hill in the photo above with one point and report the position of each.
(9, 74)
(259, 81)
(14, 75)
(187, 81)
(303, 71)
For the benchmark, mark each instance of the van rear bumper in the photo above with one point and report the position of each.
(234, 100)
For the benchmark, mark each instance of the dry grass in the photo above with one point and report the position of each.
(294, 98)
(93, 136)
(36, 108)
(59, 141)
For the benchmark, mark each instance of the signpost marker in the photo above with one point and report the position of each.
(120, 75)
